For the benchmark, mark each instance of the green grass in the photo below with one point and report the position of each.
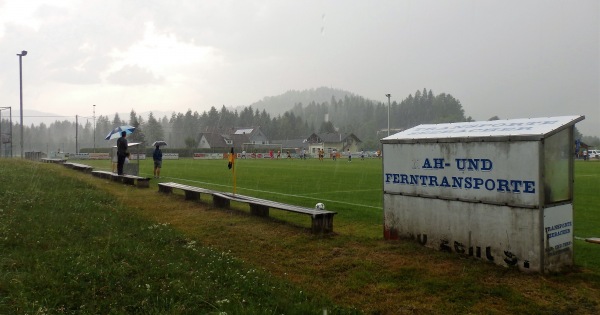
(100, 243)
(587, 213)
(353, 190)
(69, 248)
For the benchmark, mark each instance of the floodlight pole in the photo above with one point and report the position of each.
(76, 134)
(94, 128)
(388, 96)
(21, 55)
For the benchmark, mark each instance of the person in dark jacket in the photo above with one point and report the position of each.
(157, 157)
(121, 152)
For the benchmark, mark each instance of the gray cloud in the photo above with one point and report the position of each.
(133, 75)
(512, 59)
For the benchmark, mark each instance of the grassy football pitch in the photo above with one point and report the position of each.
(352, 189)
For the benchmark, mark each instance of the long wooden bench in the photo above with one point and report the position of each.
(78, 166)
(49, 160)
(139, 181)
(594, 240)
(322, 220)
(193, 193)
(103, 174)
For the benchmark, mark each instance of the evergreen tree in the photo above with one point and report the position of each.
(154, 130)
(117, 121)
(138, 134)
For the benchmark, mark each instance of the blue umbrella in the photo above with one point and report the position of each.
(116, 133)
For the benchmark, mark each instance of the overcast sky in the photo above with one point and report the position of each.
(513, 59)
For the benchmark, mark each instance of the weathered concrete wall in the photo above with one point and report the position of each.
(503, 235)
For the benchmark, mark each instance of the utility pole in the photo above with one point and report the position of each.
(76, 130)
(21, 55)
(388, 96)
(94, 128)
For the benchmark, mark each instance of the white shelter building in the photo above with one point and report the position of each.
(500, 191)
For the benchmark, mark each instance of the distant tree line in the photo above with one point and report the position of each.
(367, 119)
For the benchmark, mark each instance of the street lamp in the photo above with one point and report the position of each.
(388, 96)
(22, 54)
(94, 128)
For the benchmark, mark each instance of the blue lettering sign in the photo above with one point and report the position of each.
(502, 185)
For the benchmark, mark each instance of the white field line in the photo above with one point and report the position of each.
(340, 191)
(282, 194)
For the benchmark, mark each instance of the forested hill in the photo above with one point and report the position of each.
(369, 120)
(348, 112)
(279, 104)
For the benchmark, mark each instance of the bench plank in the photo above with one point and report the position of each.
(78, 166)
(193, 193)
(49, 160)
(102, 174)
(140, 182)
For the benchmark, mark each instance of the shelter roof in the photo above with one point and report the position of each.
(498, 130)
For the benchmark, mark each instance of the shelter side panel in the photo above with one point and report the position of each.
(558, 237)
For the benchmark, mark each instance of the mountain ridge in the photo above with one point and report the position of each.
(272, 104)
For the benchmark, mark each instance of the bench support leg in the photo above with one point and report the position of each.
(322, 223)
(259, 210)
(192, 195)
(165, 189)
(220, 202)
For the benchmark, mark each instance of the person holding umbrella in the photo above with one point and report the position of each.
(157, 157)
(121, 152)
(122, 145)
